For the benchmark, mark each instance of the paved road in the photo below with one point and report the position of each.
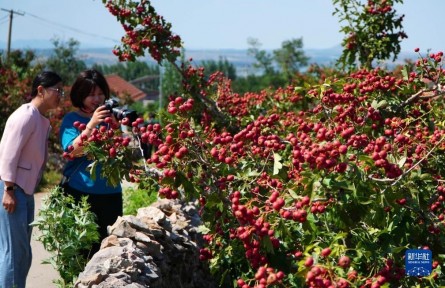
(40, 275)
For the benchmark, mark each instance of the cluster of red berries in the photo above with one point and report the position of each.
(264, 277)
(144, 30)
(181, 105)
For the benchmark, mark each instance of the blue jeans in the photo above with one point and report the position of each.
(15, 240)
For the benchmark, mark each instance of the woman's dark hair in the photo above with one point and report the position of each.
(45, 79)
(85, 83)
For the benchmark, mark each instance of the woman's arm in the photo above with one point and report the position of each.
(72, 136)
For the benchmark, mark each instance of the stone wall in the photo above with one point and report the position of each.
(159, 247)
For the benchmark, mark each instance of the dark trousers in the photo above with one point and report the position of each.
(107, 208)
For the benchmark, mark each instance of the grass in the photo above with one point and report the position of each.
(133, 198)
(137, 198)
(50, 179)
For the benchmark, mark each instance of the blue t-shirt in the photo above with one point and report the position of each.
(77, 170)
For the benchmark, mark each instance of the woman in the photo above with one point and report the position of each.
(23, 154)
(88, 94)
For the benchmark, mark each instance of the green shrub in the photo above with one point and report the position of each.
(66, 229)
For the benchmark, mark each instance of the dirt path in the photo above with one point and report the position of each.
(40, 275)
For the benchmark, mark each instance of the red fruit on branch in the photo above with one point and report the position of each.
(326, 252)
(112, 152)
(309, 262)
(344, 261)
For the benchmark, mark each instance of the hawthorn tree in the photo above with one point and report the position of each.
(326, 194)
(16, 77)
(373, 31)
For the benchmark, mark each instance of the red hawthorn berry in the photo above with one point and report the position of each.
(179, 100)
(344, 261)
(305, 200)
(157, 127)
(309, 262)
(172, 110)
(401, 201)
(174, 194)
(125, 121)
(183, 150)
(272, 278)
(310, 276)
(342, 149)
(352, 275)
(240, 282)
(326, 252)
(169, 139)
(112, 152)
(416, 49)
(381, 279)
(228, 160)
(278, 204)
(261, 273)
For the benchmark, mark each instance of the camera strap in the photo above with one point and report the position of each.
(66, 179)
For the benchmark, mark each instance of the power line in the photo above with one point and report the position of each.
(71, 28)
(67, 27)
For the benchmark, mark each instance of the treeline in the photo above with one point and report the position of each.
(272, 69)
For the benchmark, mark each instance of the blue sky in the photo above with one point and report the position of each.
(213, 24)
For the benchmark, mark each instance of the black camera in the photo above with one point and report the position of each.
(120, 112)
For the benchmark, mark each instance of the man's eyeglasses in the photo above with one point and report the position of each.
(60, 91)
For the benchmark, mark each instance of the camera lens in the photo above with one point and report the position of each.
(120, 112)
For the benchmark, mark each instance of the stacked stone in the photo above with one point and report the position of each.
(159, 247)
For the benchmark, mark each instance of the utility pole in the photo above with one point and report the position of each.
(11, 14)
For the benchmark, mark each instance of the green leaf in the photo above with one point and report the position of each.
(401, 161)
(276, 163)
(252, 173)
(93, 167)
(377, 105)
(293, 194)
(203, 229)
(267, 244)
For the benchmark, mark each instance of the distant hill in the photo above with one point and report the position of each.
(238, 57)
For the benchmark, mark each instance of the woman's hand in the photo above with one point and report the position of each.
(99, 116)
(9, 201)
